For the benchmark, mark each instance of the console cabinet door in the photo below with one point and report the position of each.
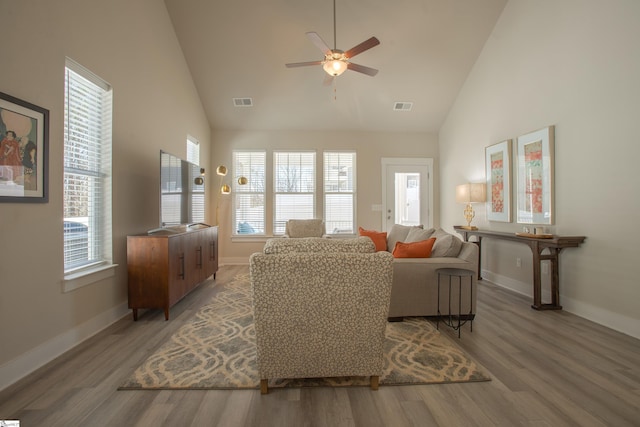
(177, 269)
(148, 271)
(210, 252)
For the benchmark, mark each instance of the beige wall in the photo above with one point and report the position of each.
(132, 46)
(370, 147)
(575, 65)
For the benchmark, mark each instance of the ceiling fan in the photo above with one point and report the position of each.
(336, 61)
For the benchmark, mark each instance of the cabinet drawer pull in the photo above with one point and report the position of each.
(181, 274)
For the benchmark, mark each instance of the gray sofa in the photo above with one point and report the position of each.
(415, 282)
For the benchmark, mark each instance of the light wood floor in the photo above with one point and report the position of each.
(548, 369)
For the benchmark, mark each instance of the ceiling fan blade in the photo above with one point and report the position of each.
(362, 69)
(365, 45)
(317, 40)
(303, 64)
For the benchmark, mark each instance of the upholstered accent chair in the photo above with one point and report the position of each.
(320, 308)
(304, 228)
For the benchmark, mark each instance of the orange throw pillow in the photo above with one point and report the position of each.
(379, 238)
(421, 249)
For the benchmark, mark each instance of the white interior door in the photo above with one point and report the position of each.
(407, 192)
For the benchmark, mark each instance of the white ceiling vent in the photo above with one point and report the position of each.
(243, 102)
(402, 106)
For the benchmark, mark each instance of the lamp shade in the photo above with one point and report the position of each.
(334, 67)
(221, 170)
(471, 193)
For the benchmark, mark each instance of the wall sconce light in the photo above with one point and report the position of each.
(225, 188)
(471, 193)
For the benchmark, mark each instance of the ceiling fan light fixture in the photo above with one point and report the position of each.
(335, 67)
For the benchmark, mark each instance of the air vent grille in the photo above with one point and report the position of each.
(402, 106)
(243, 102)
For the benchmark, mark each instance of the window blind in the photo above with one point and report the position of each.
(249, 200)
(294, 187)
(339, 192)
(87, 168)
(193, 150)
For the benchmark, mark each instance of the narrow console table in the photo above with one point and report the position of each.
(554, 245)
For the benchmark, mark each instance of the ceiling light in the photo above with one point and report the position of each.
(335, 63)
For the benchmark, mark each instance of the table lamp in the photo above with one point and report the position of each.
(471, 193)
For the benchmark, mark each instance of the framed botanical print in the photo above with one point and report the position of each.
(24, 148)
(498, 173)
(535, 174)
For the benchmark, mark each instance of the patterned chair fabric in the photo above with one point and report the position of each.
(304, 228)
(318, 244)
(320, 314)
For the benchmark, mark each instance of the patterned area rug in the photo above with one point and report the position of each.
(216, 350)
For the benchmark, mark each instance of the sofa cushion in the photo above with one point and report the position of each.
(399, 233)
(447, 245)
(420, 249)
(418, 234)
(318, 244)
(379, 238)
(304, 228)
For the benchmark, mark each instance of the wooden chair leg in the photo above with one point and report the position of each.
(374, 382)
(264, 386)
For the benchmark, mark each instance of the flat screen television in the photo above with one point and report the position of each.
(181, 194)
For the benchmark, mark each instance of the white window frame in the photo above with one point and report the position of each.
(98, 264)
(339, 181)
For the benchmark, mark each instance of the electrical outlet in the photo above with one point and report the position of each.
(518, 262)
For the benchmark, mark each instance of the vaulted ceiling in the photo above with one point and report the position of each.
(238, 48)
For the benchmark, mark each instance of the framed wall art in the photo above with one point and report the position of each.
(24, 148)
(498, 173)
(535, 174)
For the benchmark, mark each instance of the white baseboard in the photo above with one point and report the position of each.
(23, 365)
(610, 319)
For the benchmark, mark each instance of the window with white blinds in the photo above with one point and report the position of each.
(193, 150)
(87, 169)
(249, 199)
(294, 178)
(339, 192)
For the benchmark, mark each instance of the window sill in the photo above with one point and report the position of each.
(79, 279)
(261, 238)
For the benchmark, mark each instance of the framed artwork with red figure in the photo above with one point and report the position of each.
(498, 173)
(535, 173)
(24, 148)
